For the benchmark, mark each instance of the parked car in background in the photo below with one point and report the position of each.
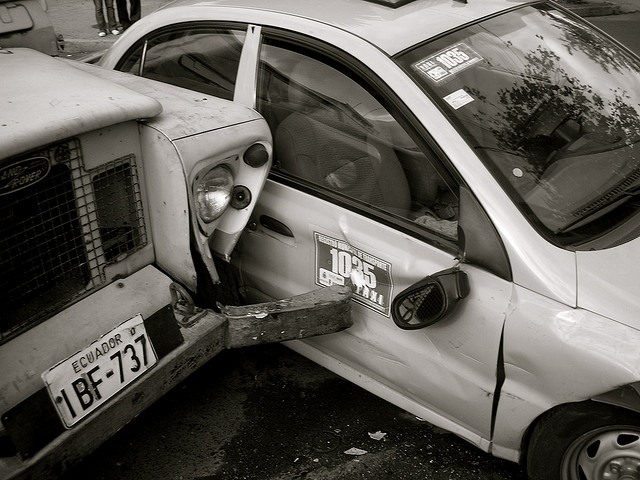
(24, 23)
(117, 195)
(473, 169)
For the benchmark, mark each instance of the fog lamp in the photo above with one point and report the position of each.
(213, 192)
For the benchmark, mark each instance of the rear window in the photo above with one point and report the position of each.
(198, 58)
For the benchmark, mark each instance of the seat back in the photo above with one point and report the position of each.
(330, 143)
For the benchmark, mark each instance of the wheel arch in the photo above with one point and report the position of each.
(625, 398)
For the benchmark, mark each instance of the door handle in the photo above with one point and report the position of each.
(275, 225)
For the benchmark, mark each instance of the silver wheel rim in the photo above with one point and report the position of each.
(607, 453)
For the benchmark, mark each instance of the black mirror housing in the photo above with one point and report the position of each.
(430, 300)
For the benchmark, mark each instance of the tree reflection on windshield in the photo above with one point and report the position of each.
(579, 38)
(552, 107)
(547, 110)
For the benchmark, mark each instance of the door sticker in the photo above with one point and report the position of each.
(337, 261)
(445, 64)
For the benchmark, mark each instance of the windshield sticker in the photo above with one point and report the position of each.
(337, 261)
(445, 64)
(458, 99)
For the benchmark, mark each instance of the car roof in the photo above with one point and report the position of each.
(391, 29)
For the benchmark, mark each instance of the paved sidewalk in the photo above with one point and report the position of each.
(74, 20)
(601, 8)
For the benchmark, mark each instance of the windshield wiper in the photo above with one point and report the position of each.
(614, 198)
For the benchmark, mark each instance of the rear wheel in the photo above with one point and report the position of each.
(587, 441)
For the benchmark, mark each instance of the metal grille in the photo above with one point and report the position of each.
(57, 235)
(428, 303)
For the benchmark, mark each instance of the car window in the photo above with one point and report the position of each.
(332, 129)
(203, 59)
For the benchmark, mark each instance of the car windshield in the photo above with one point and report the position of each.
(552, 108)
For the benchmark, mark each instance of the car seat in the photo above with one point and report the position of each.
(328, 142)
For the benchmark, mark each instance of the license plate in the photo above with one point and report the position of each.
(88, 379)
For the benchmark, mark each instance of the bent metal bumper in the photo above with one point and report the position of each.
(46, 449)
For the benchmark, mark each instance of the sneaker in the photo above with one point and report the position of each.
(115, 31)
(102, 34)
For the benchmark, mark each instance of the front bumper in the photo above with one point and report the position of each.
(46, 449)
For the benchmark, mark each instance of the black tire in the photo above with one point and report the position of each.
(585, 441)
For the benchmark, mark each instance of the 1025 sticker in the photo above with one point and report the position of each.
(337, 262)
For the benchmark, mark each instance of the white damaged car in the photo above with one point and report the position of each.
(473, 168)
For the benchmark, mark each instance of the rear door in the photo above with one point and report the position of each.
(357, 194)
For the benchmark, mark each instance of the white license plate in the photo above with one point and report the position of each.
(88, 379)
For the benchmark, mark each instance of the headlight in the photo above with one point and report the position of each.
(213, 192)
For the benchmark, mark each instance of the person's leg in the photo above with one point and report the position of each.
(136, 11)
(111, 17)
(102, 27)
(123, 15)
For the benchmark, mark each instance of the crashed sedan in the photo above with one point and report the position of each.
(471, 168)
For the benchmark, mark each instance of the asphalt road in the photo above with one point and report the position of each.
(265, 413)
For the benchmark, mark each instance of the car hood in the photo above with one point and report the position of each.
(66, 102)
(609, 282)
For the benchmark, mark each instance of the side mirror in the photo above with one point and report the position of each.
(430, 300)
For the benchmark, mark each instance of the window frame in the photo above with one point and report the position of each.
(141, 44)
(400, 112)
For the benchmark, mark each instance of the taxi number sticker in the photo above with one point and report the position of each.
(337, 261)
(445, 64)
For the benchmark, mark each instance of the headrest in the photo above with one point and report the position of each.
(320, 78)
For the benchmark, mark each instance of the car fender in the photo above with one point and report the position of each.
(555, 355)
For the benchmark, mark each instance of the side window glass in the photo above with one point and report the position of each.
(330, 128)
(198, 58)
